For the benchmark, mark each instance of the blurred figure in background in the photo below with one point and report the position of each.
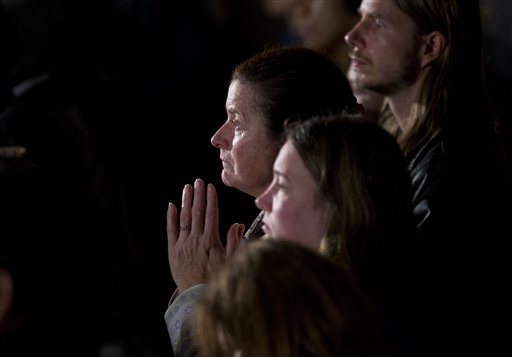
(322, 25)
(497, 26)
(51, 212)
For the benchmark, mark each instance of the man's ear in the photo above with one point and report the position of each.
(6, 294)
(432, 47)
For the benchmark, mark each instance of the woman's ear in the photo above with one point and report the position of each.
(6, 294)
(433, 46)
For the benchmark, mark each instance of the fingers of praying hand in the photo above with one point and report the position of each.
(195, 249)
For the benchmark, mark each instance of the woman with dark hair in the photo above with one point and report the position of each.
(341, 187)
(273, 86)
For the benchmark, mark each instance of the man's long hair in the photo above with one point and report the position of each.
(453, 93)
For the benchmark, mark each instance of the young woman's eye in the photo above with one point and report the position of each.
(281, 186)
(378, 23)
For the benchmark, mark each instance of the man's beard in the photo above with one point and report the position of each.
(401, 77)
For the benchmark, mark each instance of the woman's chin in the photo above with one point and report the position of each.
(226, 178)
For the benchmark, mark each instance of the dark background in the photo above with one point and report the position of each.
(148, 79)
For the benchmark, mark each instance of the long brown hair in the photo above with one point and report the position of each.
(454, 87)
(361, 173)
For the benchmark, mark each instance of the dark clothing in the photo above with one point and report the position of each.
(54, 251)
(461, 196)
(52, 220)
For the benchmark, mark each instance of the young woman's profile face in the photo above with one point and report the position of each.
(294, 209)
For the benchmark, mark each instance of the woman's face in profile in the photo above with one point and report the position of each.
(294, 209)
(247, 148)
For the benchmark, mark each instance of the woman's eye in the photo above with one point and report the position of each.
(281, 186)
(235, 124)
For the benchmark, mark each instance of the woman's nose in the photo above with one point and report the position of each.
(220, 139)
(264, 201)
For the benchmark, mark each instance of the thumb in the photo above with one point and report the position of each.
(235, 234)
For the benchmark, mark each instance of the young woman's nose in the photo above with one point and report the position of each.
(264, 201)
